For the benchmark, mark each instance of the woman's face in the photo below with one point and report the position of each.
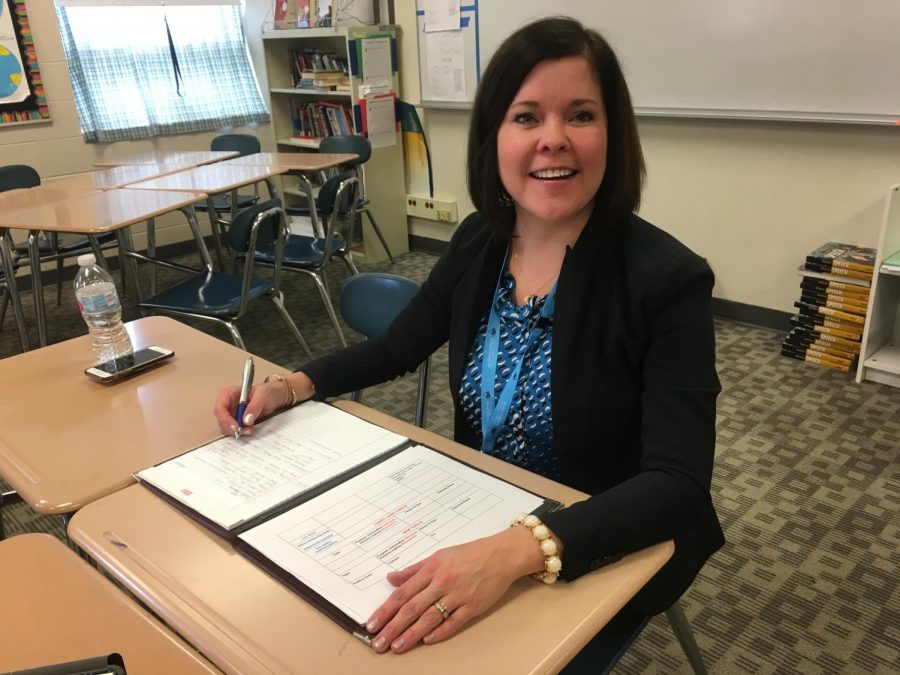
(551, 145)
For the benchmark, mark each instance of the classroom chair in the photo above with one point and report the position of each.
(223, 297)
(358, 145)
(369, 303)
(52, 246)
(310, 255)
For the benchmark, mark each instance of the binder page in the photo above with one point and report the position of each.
(343, 543)
(231, 480)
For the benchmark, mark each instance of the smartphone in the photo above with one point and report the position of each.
(124, 366)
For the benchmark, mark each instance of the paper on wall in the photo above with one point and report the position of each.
(446, 66)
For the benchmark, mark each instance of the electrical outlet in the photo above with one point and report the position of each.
(432, 209)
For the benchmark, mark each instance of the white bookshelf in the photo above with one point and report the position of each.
(383, 175)
(879, 359)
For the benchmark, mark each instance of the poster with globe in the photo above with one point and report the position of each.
(22, 97)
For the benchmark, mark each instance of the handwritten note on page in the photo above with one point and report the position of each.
(343, 543)
(230, 481)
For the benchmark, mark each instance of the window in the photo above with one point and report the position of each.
(144, 68)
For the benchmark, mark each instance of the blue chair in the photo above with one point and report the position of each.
(223, 297)
(369, 303)
(310, 255)
(358, 145)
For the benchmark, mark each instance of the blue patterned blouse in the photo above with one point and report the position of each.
(527, 437)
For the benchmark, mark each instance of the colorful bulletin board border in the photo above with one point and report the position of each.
(22, 98)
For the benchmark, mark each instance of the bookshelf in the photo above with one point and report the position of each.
(383, 175)
(880, 354)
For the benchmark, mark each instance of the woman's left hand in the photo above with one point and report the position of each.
(468, 579)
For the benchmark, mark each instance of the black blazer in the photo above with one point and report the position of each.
(633, 380)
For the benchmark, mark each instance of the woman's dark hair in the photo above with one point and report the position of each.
(554, 38)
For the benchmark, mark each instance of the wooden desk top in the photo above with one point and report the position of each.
(68, 440)
(246, 622)
(115, 177)
(16, 201)
(212, 178)
(97, 212)
(293, 161)
(58, 609)
(176, 158)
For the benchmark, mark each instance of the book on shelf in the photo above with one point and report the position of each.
(320, 119)
(835, 256)
(862, 281)
(309, 62)
(328, 504)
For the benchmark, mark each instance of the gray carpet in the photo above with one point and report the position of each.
(807, 483)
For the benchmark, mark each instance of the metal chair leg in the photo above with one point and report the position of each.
(4, 293)
(59, 273)
(323, 291)
(682, 630)
(378, 234)
(235, 335)
(278, 301)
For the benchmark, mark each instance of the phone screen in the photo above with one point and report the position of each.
(111, 371)
(139, 358)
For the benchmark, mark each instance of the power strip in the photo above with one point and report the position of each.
(431, 209)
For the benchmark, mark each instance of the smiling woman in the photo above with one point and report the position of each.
(580, 344)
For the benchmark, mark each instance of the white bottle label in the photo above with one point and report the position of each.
(103, 298)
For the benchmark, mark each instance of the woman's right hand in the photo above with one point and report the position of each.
(265, 400)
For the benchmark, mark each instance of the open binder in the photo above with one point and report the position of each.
(351, 502)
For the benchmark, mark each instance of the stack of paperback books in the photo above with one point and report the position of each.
(831, 311)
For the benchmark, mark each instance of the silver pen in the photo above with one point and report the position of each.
(246, 383)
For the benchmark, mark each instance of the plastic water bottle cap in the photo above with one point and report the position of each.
(86, 259)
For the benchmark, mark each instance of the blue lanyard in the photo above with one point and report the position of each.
(494, 412)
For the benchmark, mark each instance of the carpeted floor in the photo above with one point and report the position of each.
(807, 483)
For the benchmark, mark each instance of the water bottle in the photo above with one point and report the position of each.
(99, 305)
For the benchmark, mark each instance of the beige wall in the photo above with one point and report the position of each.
(752, 197)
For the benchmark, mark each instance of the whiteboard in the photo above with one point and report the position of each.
(820, 60)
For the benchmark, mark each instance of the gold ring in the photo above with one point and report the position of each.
(442, 608)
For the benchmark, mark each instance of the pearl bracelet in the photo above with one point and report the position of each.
(287, 383)
(552, 562)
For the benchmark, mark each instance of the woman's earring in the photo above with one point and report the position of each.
(503, 198)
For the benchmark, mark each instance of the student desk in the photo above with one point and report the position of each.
(183, 159)
(297, 162)
(68, 440)
(214, 179)
(58, 609)
(294, 161)
(93, 213)
(246, 622)
(115, 177)
(13, 202)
